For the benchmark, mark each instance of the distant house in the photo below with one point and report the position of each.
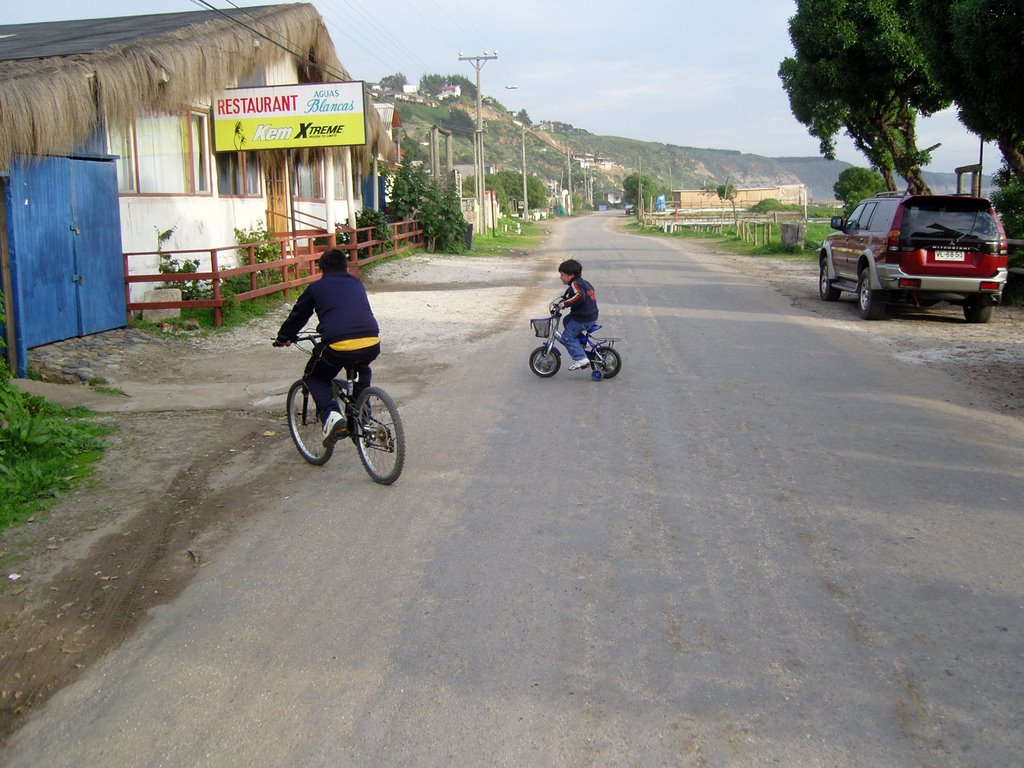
(450, 92)
(107, 146)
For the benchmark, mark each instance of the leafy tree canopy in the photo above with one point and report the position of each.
(432, 84)
(631, 189)
(393, 83)
(975, 49)
(854, 184)
(858, 67)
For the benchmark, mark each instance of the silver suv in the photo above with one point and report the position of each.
(916, 250)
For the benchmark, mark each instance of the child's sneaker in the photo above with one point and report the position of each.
(577, 364)
(335, 428)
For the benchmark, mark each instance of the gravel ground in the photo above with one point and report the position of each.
(988, 357)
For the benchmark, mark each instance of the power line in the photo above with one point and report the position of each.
(382, 31)
(299, 56)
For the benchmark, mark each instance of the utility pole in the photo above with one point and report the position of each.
(526, 200)
(640, 188)
(568, 163)
(478, 144)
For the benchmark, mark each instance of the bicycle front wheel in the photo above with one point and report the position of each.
(307, 432)
(381, 436)
(544, 362)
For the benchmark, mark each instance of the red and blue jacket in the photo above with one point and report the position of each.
(581, 300)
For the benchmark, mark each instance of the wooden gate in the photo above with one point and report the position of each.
(64, 239)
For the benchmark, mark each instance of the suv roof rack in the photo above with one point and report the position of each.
(890, 194)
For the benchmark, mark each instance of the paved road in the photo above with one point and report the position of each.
(764, 543)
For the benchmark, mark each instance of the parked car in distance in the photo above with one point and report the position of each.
(897, 249)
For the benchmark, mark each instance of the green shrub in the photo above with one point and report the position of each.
(436, 206)
(366, 217)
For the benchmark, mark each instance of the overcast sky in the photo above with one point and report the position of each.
(684, 72)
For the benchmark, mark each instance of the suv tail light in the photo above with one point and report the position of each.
(1002, 235)
(893, 240)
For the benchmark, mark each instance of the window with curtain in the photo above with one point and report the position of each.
(160, 141)
(199, 153)
(308, 181)
(122, 144)
(163, 154)
(238, 173)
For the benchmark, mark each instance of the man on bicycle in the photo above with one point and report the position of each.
(349, 337)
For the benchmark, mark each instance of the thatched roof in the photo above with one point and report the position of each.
(57, 78)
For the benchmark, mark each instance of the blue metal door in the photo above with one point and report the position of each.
(96, 243)
(64, 233)
(45, 303)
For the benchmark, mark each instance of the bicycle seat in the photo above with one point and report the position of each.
(593, 328)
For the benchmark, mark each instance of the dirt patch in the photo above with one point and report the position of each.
(987, 357)
(175, 481)
(200, 422)
(131, 539)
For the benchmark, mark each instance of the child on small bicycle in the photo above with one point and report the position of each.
(349, 337)
(581, 301)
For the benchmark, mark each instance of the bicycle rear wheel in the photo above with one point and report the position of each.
(306, 429)
(607, 361)
(381, 443)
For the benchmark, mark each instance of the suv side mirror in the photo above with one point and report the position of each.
(837, 222)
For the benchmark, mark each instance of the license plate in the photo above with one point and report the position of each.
(950, 255)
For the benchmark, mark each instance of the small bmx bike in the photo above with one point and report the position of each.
(545, 360)
(376, 429)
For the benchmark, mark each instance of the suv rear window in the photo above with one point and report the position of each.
(946, 219)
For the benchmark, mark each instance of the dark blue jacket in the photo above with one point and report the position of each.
(581, 300)
(341, 306)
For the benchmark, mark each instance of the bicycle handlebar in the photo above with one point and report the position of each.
(310, 336)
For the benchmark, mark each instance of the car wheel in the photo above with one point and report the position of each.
(870, 302)
(978, 310)
(825, 288)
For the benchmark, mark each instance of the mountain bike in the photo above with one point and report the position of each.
(376, 427)
(545, 360)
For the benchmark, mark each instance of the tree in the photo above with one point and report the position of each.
(1008, 198)
(393, 83)
(631, 190)
(975, 48)
(854, 184)
(508, 185)
(858, 67)
(431, 84)
(728, 192)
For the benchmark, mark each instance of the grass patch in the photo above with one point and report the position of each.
(509, 235)
(45, 451)
(732, 242)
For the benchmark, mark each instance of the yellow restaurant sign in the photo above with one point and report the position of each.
(289, 117)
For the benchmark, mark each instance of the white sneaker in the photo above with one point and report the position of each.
(577, 364)
(335, 428)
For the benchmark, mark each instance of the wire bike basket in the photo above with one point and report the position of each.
(542, 327)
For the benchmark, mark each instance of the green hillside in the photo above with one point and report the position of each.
(670, 165)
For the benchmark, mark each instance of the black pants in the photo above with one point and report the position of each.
(325, 364)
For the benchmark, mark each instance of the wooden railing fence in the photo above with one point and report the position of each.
(296, 266)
